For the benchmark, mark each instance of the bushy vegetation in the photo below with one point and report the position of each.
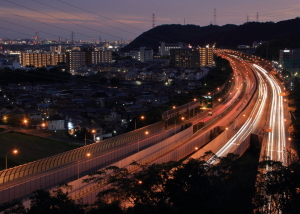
(230, 185)
(294, 108)
(33, 75)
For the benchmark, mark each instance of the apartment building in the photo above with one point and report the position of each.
(77, 59)
(41, 59)
(191, 58)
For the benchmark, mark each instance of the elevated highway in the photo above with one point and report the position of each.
(244, 111)
(20, 181)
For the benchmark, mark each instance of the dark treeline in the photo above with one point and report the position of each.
(294, 108)
(34, 75)
(231, 185)
(271, 49)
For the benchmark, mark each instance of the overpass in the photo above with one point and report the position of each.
(241, 113)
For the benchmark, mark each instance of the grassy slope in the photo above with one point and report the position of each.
(30, 148)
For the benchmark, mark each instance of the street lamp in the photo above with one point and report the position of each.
(93, 131)
(87, 155)
(14, 152)
(43, 125)
(146, 133)
(182, 118)
(25, 122)
(142, 117)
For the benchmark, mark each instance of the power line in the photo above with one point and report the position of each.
(61, 19)
(112, 20)
(27, 27)
(83, 17)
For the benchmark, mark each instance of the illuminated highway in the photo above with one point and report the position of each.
(276, 138)
(250, 125)
(271, 115)
(243, 112)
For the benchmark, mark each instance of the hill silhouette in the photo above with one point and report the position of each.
(226, 36)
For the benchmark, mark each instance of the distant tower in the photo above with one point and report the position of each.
(153, 20)
(215, 16)
(36, 38)
(72, 38)
(184, 21)
(257, 17)
(99, 39)
(247, 18)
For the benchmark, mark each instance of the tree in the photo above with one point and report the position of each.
(176, 187)
(56, 202)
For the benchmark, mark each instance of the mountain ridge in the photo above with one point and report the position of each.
(226, 36)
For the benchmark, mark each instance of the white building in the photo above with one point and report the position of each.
(56, 123)
(142, 54)
(164, 48)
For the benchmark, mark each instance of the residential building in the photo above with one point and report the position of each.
(77, 59)
(206, 56)
(56, 123)
(142, 54)
(290, 60)
(164, 48)
(191, 58)
(41, 59)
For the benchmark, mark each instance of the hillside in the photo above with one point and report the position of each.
(228, 36)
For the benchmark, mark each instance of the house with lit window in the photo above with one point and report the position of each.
(55, 123)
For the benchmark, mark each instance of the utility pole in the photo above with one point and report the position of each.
(247, 18)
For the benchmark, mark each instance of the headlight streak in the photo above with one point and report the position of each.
(250, 124)
(276, 143)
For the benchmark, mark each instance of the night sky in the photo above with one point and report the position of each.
(125, 19)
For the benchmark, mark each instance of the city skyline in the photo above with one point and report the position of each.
(119, 20)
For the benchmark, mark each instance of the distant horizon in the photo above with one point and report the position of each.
(116, 20)
(5, 39)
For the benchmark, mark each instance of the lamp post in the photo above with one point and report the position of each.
(146, 133)
(87, 155)
(14, 152)
(142, 117)
(93, 131)
(182, 118)
(25, 122)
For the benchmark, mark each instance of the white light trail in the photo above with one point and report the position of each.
(276, 143)
(251, 123)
